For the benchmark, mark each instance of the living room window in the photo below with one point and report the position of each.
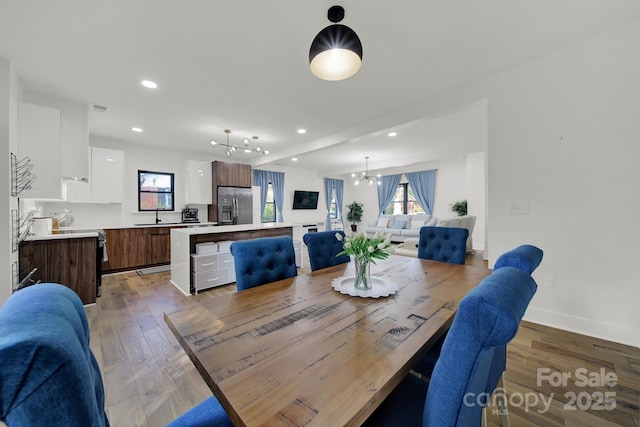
(404, 202)
(155, 191)
(269, 214)
(333, 212)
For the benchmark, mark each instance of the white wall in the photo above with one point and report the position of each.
(9, 94)
(299, 179)
(563, 136)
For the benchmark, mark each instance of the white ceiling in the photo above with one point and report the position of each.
(243, 65)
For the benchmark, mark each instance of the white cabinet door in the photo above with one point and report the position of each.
(198, 183)
(39, 139)
(79, 191)
(107, 170)
(74, 133)
(75, 141)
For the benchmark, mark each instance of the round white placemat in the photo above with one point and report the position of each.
(379, 287)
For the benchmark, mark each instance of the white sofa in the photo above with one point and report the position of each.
(411, 225)
(400, 227)
(465, 221)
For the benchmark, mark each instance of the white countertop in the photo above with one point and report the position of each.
(169, 224)
(232, 228)
(65, 234)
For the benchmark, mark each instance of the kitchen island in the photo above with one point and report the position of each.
(184, 241)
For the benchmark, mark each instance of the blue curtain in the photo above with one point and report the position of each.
(261, 178)
(328, 188)
(339, 186)
(277, 182)
(423, 184)
(329, 185)
(386, 190)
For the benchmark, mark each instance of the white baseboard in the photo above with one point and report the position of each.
(606, 331)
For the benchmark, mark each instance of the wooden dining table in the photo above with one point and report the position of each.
(297, 352)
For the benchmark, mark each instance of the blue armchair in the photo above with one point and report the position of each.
(487, 319)
(445, 244)
(48, 374)
(264, 260)
(323, 248)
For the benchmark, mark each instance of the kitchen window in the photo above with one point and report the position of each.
(155, 191)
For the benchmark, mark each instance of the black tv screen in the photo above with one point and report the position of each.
(305, 199)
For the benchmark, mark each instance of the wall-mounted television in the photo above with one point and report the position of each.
(305, 199)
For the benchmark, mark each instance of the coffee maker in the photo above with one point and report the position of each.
(190, 215)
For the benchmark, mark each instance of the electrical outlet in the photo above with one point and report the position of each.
(550, 282)
(517, 208)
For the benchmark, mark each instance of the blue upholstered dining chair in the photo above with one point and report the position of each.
(446, 244)
(208, 413)
(263, 260)
(487, 319)
(48, 374)
(323, 248)
(525, 257)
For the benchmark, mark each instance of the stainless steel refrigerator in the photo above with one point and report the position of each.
(235, 205)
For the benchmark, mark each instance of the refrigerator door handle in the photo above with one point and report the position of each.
(235, 211)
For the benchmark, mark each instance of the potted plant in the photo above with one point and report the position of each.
(354, 214)
(460, 208)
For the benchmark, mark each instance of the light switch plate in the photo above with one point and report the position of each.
(517, 208)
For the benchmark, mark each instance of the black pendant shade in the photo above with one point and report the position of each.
(336, 52)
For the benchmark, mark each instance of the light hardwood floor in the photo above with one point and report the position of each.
(149, 379)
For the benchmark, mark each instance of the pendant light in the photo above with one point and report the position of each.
(364, 176)
(336, 52)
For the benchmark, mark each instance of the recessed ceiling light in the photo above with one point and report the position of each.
(136, 129)
(301, 131)
(110, 160)
(392, 133)
(149, 84)
(294, 159)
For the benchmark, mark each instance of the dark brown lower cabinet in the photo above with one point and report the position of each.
(133, 248)
(70, 262)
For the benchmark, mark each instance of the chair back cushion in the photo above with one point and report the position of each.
(48, 374)
(264, 260)
(487, 318)
(524, 257)
(323, 248)
(446, 244)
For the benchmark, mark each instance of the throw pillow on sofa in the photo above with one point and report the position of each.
(398, 225)
(382, 223)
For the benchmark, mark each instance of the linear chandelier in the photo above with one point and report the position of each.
(231, 148)
(364, 176)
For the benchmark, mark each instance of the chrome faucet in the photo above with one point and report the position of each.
(157, 219)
